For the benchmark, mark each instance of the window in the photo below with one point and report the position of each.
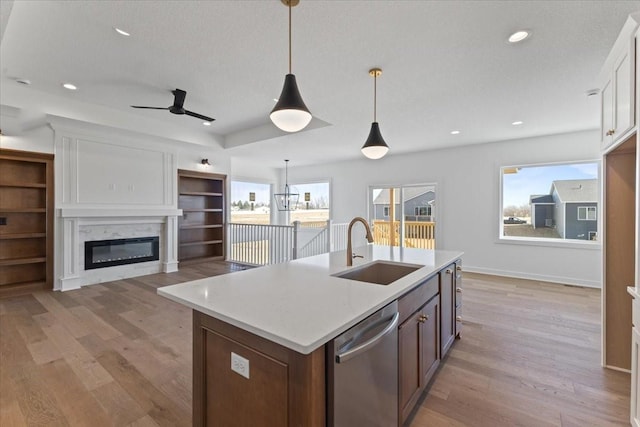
(412, 208)
(556, 202)
(250, 202)
(313, 203)
(586, 213)
(423, 210)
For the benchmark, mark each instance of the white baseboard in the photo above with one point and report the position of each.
(539, 277)
(169, 267)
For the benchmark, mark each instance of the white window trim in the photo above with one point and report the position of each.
(540, 241)
(587, 210)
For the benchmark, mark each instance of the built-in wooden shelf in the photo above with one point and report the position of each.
(201, 196)
(194, 227)
(11, 236)
(207, 242)
(26, 239)
(23, 185)
(23, 210)
(21, 261)
(199, 193)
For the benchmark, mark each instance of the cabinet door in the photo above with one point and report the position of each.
(623, 106)
(409, 364)
(429, 348)
(447, 308)
(606, 114)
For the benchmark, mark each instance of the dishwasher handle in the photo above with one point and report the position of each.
(350, 354)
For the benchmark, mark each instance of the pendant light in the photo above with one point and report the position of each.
(290, 114)
(375, 147)
(286, 201)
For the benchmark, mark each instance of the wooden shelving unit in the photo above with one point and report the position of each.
(201, 196)
(26, 221)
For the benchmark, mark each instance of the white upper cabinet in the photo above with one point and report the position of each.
(617, 89)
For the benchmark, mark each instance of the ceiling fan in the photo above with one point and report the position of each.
(177, 107)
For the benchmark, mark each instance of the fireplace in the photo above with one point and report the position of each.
(109, 253)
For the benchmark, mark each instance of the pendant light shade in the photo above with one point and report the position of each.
(290, 113)
(375, 146)
(286, 201)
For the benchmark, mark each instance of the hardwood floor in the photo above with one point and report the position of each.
(118, 354)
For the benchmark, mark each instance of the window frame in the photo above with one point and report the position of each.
(545, 241)
(586, 210)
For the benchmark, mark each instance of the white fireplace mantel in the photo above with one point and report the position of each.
(72, 221)
(117, 212)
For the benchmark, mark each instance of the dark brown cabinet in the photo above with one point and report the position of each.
(448, 307)
(26, 221)
(419, 355)
(201, 196)
(279, 387)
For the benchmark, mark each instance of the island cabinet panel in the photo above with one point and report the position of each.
(284, 388)
(419, 356)
(263, 395)
(448, 307)
(418, 344)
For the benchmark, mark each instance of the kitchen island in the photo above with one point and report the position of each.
(271, 324)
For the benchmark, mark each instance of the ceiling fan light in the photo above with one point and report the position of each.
(290, 113)
(375, 147)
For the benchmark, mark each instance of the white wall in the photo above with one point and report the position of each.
(468, 180)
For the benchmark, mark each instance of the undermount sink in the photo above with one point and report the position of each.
(379, 272)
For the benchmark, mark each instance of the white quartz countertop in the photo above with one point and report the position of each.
(299, 304)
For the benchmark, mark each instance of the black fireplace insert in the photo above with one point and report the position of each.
(109, 253)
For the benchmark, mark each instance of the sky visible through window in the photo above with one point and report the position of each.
(530, 180)
(240, 191)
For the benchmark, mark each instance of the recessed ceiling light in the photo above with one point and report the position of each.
(518, 36)
(455, 132)
(206, 123)
(121, 32)
(23, 81)
(69, 86)
(517, 123)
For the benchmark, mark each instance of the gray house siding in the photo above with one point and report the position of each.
(579, 229)
(560, 214)
(418, 202)
(379, 213)
(544, 215)
(421, 200)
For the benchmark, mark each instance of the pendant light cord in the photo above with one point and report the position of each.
(375, 96)
(290, 37)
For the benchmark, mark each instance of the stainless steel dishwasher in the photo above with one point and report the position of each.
(362, 374)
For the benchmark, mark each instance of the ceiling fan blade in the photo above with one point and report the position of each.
(199, 116)
(179, 95)
(150, 108)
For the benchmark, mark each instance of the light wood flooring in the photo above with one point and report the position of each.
(118, 354)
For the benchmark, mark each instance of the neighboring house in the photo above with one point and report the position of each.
(571, 207)
(419, 204)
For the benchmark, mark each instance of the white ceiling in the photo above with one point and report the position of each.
(446, 66)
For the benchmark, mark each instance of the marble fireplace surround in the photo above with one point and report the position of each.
(85, 224)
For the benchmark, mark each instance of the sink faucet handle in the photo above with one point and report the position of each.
(353, 256)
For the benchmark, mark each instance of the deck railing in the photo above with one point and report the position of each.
(262, 244)
(417, 234)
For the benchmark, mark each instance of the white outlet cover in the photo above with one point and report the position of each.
(240, 365)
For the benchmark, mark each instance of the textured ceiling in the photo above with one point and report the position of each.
(446, 66)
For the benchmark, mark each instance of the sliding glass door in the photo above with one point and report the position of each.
(403, 215)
